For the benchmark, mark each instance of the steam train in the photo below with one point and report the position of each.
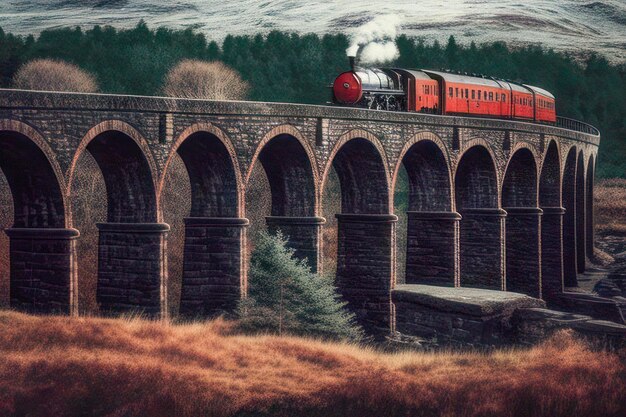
(439, 92)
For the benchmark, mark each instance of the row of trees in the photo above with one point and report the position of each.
(298, 68)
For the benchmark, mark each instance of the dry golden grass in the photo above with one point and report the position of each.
(60, 366)
(610, 202)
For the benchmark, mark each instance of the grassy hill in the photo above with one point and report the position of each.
(61, 366)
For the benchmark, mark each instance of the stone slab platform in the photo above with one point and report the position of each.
(470, 301)
(458, 316)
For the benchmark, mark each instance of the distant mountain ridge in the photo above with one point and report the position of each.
(566, 25)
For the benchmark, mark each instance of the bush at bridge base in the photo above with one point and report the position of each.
(285, 297)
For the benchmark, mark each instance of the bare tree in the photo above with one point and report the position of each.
(54, 75)
(205, 80)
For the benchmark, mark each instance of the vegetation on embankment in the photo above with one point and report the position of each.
(610, 206)
(298, 68)
(62, 366)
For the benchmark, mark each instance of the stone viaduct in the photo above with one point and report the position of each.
(495, 204)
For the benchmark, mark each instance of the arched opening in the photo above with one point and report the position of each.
(131, 243)
(580, 214)
(551, 224)
(41, 250)
(482, 223)
(365, 234)
(200, 200)
(590, 222)
(289, 174)
(432, 229)
(569, 220)
(89, 208)
(523, 223)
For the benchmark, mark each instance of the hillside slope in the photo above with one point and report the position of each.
(60, 366)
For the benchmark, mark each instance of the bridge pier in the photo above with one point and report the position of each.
(482, 248)
(304, 235)
(523, 250)
(433, 248)
(132, 268)
(365, 267)
(552, 251)
(43, 270)
(213, 270)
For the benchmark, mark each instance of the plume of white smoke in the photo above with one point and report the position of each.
(375, 41)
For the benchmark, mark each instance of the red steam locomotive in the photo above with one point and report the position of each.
(438, 92)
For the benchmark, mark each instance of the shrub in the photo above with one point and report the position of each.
(205, 80)
(53, 75)
(284, 296)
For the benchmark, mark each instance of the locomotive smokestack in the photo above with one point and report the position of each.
(351, 58)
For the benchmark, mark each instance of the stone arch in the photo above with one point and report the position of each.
(291, 169)
(550, 179)
(211, 161)
(482, 224)
(359, 152)
(551, 223)
(212, 277)
(131, 244)
(365, 229)
(519, 188)
(519, 200)
(476, 179)
(590, 221)
(42, 268)
(580, 213)
(129, 171)
(34, 176)
(290, 164)
(426, 160)
(432, 226)
(568, 194)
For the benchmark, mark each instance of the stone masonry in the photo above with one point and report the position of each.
(474, 185)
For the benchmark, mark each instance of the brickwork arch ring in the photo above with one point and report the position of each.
(37, 138)
(292, 131)
(533, 151)
(470, 144)
(542, 157)
(423, 136)
(370, 137)
(126, 129)
(565, 154)
(205, 127)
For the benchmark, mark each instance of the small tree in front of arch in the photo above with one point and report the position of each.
(285, 297)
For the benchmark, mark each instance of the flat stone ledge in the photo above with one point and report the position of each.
(42, 233)
(216, 222)
(133, 227)
(366, 218)
(467, 301)
(296, 221)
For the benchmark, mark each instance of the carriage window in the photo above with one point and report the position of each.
(473, 94)
(497, 97)
(479, 95)
(451, 92)
(456, 90)
(467, 93)
(504, 98)
(490, 96)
